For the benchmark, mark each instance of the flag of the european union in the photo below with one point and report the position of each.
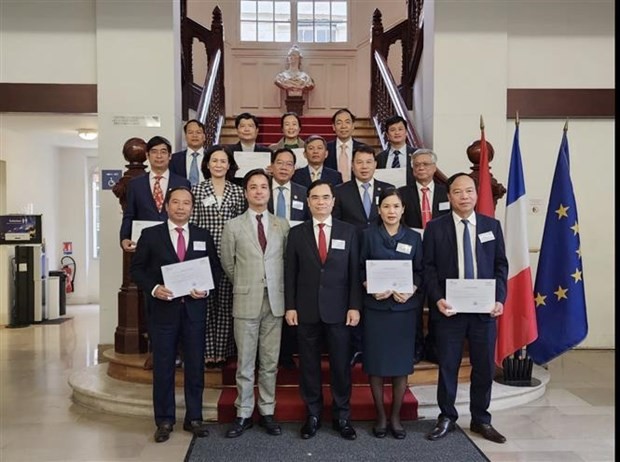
(559, 292)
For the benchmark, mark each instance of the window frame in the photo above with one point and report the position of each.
(249, 44)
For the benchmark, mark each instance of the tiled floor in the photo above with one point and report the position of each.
(574, 421)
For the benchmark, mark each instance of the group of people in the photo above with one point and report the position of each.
(283, 287)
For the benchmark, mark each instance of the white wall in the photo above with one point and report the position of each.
(47, 41)
(478, 49)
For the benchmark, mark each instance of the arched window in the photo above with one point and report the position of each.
(294, 21)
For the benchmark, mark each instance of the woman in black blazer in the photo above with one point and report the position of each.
(390, 317)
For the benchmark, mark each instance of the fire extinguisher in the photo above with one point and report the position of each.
(68, 266)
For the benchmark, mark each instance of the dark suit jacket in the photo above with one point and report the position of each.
(332, 157)
(349, 207)
(411, 201)
(155, 250)
(382, 158)
(302, 176)
(298, 193)
(322, 292)
(257, 147)
(441, 259)
(178, 164)
(140, 202)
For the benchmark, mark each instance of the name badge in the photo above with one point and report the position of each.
(208, 201)
(403, 248)
(200, 245)
(299, 205)
(486, 237)
(377, 200)
(443, 206)
(338, 244)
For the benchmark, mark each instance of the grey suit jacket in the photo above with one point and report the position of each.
(249, 269)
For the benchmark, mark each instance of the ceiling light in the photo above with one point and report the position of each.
(87, 134)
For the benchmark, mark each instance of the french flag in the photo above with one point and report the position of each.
(516, 327)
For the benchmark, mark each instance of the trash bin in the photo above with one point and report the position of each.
(53, 297)
(62, 295)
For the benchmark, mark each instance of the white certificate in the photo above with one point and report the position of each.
(182, 277)
(471, 295)
(138, 225)
(382, 275)
(300, 159)
(293, 223)
(250, 160)
(394, 176)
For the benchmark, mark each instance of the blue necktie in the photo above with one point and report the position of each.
(396, 161)
(468, 256)
(194, 176)
(281, 205)
(366, 199)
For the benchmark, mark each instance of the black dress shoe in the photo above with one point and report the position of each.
(442, 428)
(239, 426)
(269, 424)
(399, 434)
(310, 427)
(379, 432)
(488, 432)
(357, 358)
(163, 432)
(344, 427)
(197, 427)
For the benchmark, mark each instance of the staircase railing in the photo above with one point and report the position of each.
(209, 100)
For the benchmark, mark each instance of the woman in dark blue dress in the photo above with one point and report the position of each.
(390, 317)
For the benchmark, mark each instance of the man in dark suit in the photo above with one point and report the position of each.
(315, 152)
(187, 163)
(247, 127)
(323, 297)
(290, 203)
(175, 318)
(356, 200)
(145, 194)
(356, 204)
(464, 245)
(423, 200)
(341, 149)
(289, 197)
(398, 154)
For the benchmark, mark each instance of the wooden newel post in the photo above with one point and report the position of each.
(130, 334)
(473, 154)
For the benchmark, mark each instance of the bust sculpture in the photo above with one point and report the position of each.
(293, 80)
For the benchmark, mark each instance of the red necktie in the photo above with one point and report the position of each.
(426, 208)
(180, 244)
(322, 244)
(158, 194)
(262, 240)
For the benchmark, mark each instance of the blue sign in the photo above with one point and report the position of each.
(109, 178)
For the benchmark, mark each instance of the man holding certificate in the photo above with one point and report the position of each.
(177, 313)
(253, 259)
(465, 274)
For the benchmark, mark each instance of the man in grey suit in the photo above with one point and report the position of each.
(252, 254)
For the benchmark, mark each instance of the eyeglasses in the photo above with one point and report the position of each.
(422, 164)
(280, 163)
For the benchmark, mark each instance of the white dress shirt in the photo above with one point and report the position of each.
(199, 158)
(430, 192)
(402, 158)
(327, 229)
(458, 224)
(163, 182)
(264, 220)
(275, 192)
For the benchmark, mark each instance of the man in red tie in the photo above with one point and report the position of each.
(253, 259)
(175, 319)
(323, 296)
(146, 193)
(424, 200)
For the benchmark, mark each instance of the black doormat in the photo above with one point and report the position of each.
(327, 445)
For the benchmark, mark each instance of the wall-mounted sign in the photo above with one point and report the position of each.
(109, 178)
(67, 248)
(137, 120)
